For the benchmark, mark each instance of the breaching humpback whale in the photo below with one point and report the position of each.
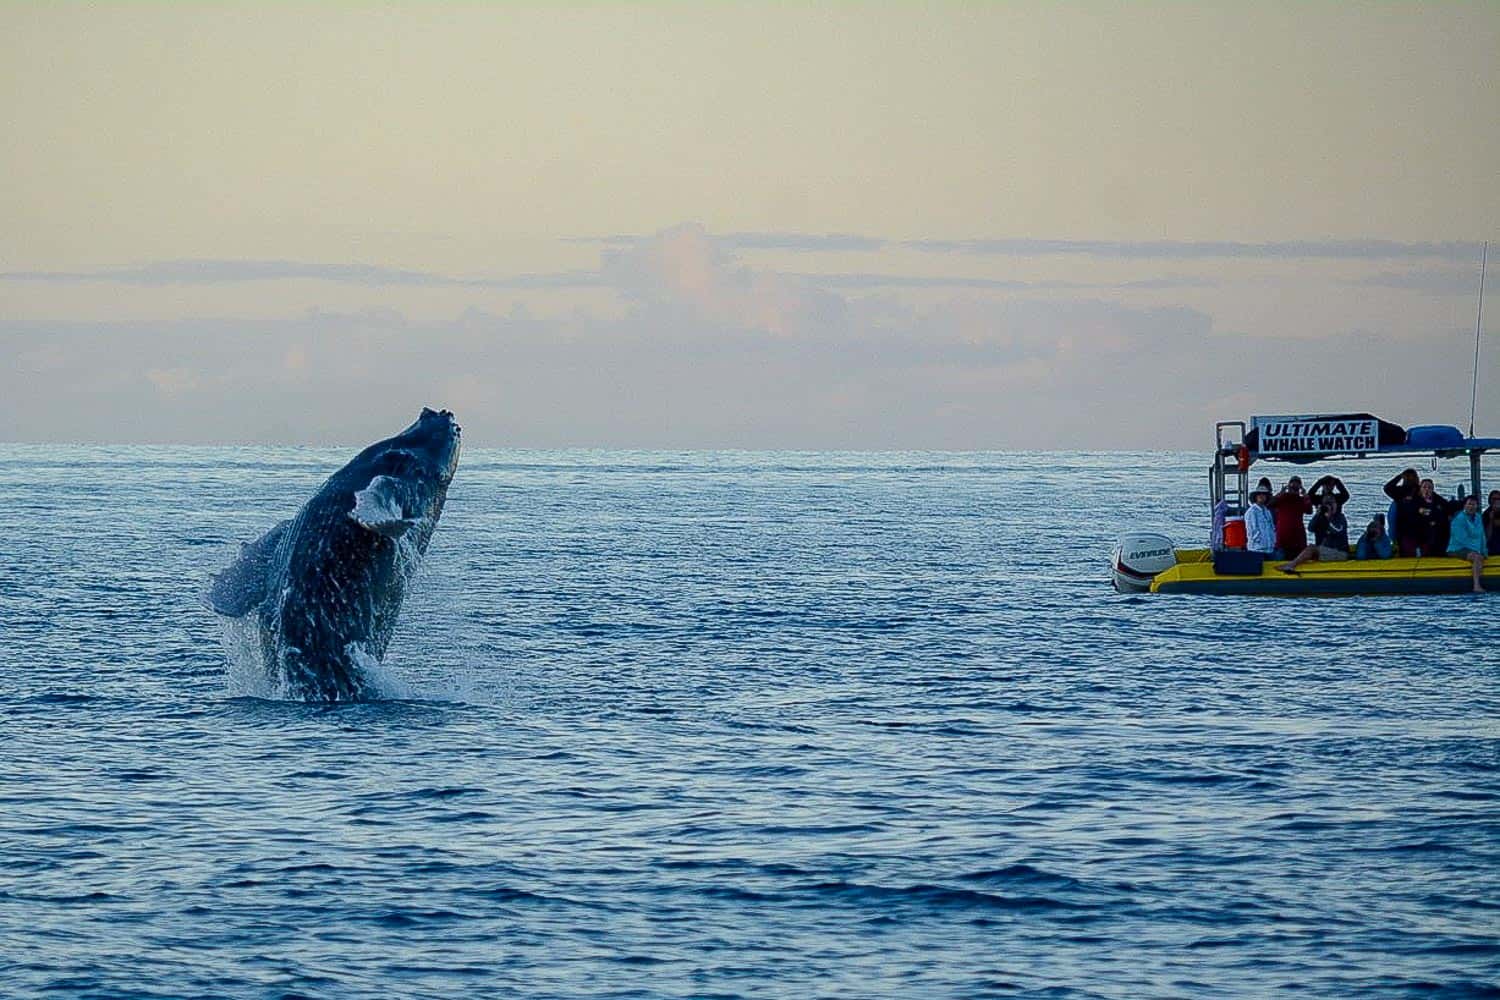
(324, 588)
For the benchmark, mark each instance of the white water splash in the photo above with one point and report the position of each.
(383, 680)
(247, 674)
(439, 676)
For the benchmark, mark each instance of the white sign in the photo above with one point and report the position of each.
(1316, 435)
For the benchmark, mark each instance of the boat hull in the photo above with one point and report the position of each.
(1194, 574)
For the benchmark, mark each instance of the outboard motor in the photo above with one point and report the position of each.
(1138, 557)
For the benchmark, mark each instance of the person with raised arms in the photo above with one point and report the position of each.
(1330, 532)
(1403, 489)
(1290, 506)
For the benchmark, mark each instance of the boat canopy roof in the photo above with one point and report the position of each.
(1314, 437)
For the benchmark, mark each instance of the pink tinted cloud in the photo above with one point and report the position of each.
(685, 268)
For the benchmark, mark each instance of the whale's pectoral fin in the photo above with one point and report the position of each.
(378, 507)
(241, 588)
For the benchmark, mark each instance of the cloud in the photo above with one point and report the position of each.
(687, 264)
(684, 272)
(824, 242)
(174, 381)
(1125, 249)
(809, 242)
(613, 273)
(1434, 281)
(1189, 249)
(213, 272)
(708, 351)
(1169, 281)
(967, 373)
(860, 280)
(633, 264)
(964, 373)
(876, 280)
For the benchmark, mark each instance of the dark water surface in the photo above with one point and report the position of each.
(734, 725)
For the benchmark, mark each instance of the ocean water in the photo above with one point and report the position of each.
(734, 725)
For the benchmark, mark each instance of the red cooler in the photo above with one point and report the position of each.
(1234, 532)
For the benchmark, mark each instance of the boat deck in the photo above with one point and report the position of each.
(1194, 574)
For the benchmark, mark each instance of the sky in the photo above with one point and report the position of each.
(671, 225)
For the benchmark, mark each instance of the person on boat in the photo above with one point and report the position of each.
(1290, 506)
(1331, 486)
(1492, 524)
(1260, 523)
(1404, 490)
(1432, 515)
(1374, 543)
(1216, 528)
(1466, 539)
(1331, 536)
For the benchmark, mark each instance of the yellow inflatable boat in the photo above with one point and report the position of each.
(1193, 573)
(1150, 561)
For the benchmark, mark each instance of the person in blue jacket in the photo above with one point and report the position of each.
(1466, 538)
(1375, 543)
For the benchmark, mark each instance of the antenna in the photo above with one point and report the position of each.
(1478, 325)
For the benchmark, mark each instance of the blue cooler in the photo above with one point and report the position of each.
(1238, 562)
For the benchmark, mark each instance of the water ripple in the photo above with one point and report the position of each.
(734, 725)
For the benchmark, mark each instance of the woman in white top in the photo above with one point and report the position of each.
(1260, 523)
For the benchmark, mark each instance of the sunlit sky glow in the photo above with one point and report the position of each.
(672, 225)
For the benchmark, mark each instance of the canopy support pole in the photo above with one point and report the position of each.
(1474, 475)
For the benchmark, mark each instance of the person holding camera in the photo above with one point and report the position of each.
(1374, 543)
(1290, 506)
(1404, 490)
(1330, 530)
(1431, 518)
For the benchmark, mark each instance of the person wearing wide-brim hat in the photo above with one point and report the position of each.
(1260, 523)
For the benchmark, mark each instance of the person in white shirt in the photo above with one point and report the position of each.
(1260, 523)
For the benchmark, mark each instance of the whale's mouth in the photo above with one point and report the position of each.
(451, 466)
(448, 454)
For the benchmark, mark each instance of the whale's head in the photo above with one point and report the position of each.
(434, 437)
(401, 482)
